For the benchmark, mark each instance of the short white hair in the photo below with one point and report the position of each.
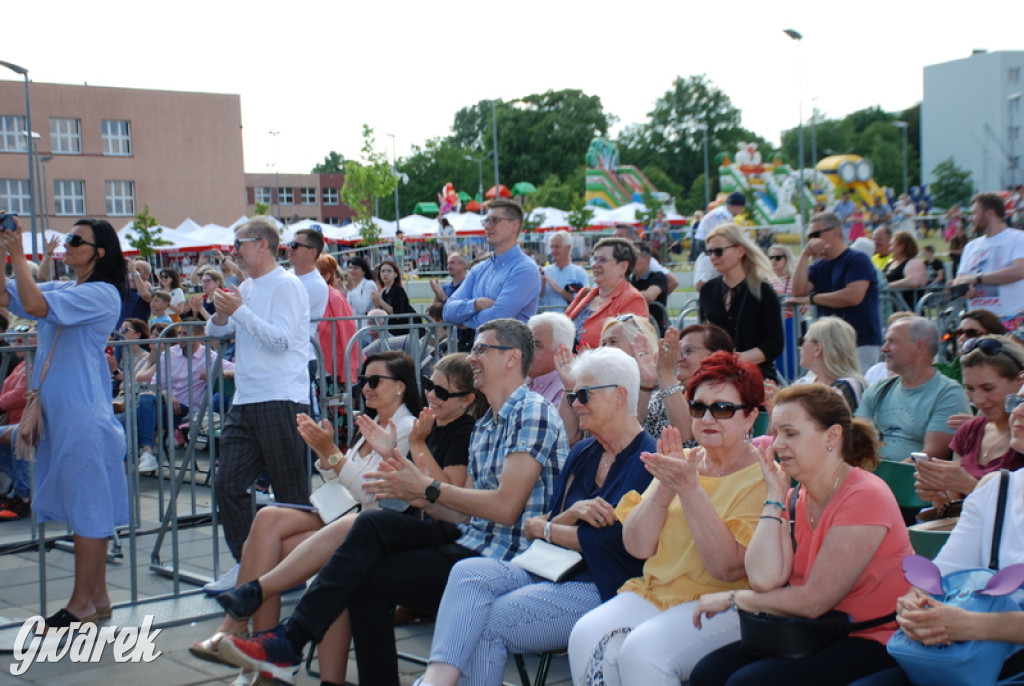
(611, 366)
(563, 331)
(563, 236)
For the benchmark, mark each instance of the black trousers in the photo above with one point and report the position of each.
(387, 559)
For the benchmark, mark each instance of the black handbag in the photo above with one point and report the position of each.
(765, 635)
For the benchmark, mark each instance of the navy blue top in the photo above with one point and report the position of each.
(608, 563)
(828, 276)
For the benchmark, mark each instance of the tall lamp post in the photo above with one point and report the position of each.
(277, 173)
(28, 143)
(479, 174)
(904, 126)
(394, 170)
(799, 38)
(707, 182)
(494, 118)
(45, 209)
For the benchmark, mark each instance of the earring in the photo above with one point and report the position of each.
(830, 448)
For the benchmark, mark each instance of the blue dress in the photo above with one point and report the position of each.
(80, 473)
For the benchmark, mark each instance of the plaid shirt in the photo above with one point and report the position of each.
(526, 423)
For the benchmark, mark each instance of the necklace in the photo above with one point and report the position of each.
(1001, 437)
(835, 486)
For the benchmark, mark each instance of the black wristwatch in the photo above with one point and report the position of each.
(433, 491)
(977, 279)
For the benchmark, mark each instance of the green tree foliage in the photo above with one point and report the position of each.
(580, 215)
(952, 185)
(147, 233)
(538, 135)
(334, 163)
(371, 177)
(429, 168)
(261, 209)
(554, 192)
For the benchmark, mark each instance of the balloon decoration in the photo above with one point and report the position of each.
(448, 200)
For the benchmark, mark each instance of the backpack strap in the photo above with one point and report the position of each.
(997, 529)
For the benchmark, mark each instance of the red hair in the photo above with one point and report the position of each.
(723, 367)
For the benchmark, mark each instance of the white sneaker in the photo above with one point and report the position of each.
(246, 678)
(148, 462)
(225, 583)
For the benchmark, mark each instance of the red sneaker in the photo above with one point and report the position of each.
(14, 508)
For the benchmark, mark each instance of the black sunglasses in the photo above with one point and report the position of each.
(775, 258)
(718, 252)
(583, 394)
(74, 240)
(968, 333)
(989, 346)
(373, 380)
(719, 410)
(441, 392)
(295, 245)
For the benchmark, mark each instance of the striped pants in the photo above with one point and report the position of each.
(492, 608)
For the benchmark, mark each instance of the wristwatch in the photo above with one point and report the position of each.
(977, 279)
(334, 459)
(433, 491)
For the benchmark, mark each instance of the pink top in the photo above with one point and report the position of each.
(863, 499)
(343, 331)
(967, 444)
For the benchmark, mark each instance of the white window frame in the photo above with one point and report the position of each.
(332, 196)
(263, 194)
(120, 198)
(285, 196)
(69, 198)
(65, 136)
(14, 196)
(117, 137)
(12, 133)
(308, 196)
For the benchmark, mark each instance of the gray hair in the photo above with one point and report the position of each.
(611, 366)
(563, 236)
(514, 333)
(261, 227)
(923, 330)
(563, 331)
(830, 220)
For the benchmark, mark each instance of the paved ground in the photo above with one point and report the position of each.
(181, 612)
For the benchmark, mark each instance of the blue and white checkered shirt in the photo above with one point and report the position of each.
(526, 423)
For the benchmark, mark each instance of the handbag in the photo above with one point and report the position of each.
(550, 561)
(765, 635)
(962, 663)
(30, 428)
(332, 500)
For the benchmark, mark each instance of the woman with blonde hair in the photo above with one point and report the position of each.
(741, 300)
(829, 354)
(782, 266)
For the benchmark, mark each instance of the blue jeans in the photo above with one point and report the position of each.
(14, 468)
(145, 419)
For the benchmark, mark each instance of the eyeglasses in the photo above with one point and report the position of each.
(441, 392)
(718, 252)
(719, 410)
(969, 333)
(126, 330)
(480, 348)
(776, 258)
(373, 380)
(687, 350)
(583, 394)
(73, 240)
(804, 339)
(601, 260)
(493, 219)
(239, 241)
(295, 245)
(1012, 402)
(817, 234)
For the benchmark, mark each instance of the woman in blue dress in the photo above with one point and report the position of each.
(79, 461)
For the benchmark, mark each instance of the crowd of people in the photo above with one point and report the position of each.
(692, 485)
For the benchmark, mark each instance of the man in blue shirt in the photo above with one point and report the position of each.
(458, 265)
(561, 280)
(844, 209)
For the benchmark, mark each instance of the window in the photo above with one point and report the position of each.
(69, 198)
(14, 195)
(12, 134)
(285, 196)
(1013, 75)
(120, 198)
(117, 137)
(263, 195)
(331, 196)
(65, 136)
(308, 196)
(333, 221)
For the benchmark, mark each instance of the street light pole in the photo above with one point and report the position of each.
(28, 142)
(904, 126)
(479, 174)
(277, 173)
(394, 171)
(494, 118)
(707, 181)
(799, 38)
(45, 210)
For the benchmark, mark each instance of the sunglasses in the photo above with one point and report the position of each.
(718, 252)
(968, 333)
(73, 240)
(989, 346)
(239, 241)
(583, 394)
(442, 393)
(1012, 402)
(719, 410)
(373, 380)
(817, 234)
(804, 339)
(776, 258)
(295, 245)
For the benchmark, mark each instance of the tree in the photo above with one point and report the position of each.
(952, 185)
(334, 163)
(147, 233)
(371, 177)
(261, 209)
(429, 168)
(580, 216)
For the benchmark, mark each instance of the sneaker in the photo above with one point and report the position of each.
(269, 652)
(148, 462)
(226, 582)
(241, 602)
(245, 678)
(15, 508)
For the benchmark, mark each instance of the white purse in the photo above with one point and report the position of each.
(549, 561)
(332, 500)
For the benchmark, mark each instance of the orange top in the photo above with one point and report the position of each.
(625, 299)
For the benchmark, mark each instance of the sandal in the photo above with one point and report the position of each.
(207, 649)
(105, 613)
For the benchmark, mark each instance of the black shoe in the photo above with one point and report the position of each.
(243, 601)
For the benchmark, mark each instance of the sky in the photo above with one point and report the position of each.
(315, 71)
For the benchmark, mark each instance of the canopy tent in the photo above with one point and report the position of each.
(523, 188)
(426, 208)
(502, 190)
